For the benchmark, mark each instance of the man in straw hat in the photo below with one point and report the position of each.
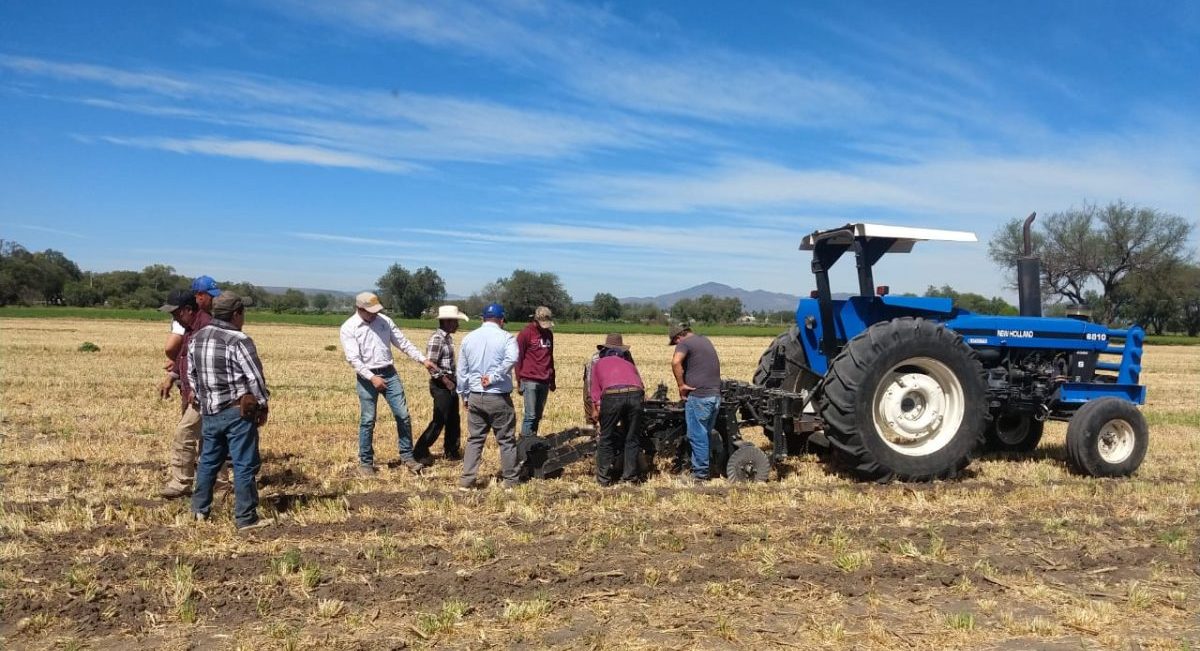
(617, 393)
(367, 339)
(535, 367)
(613, 339)
(442, 387)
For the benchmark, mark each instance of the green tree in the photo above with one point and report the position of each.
(1096, 247)
(642, 313)
(81, 293)
(1188, 317)
(410, 294)
(261, 297)
(973, 302)
(707, 309)
(19, 275)
(55, 271)
(606, 307)
(291, 301)
(524, 291)
(321, 302)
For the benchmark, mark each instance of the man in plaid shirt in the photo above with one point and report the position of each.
(227, 377)
(442, 387)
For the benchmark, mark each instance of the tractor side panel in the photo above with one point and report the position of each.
(857, 313)
(1119, 351)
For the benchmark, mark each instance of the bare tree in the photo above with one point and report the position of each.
(1096, 247)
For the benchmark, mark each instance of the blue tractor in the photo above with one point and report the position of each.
(908, 388)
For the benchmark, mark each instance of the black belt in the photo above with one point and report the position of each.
(625, 389)
(381, 369)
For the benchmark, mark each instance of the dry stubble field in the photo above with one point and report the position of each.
(1019, 554)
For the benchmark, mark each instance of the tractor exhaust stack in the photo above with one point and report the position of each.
(1029, 274)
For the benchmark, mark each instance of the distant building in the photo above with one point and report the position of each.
(747, 319)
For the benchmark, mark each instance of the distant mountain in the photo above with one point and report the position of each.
(752, 300)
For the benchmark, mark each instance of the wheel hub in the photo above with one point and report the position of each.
(918, 406)
(1116, 441)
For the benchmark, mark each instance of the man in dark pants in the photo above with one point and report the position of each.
(617, 393)
(442, 388)
(232, 394)
(613, 340)
(535, 367)
(484, 372)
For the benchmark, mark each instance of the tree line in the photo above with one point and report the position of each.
(1124, 264)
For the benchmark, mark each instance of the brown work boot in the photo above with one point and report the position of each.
(173, 492)
(257, 524)
(366, 470)
(416, 467)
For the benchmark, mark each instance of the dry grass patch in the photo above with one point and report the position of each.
(1018, 554)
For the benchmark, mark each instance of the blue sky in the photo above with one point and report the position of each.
(636, 147)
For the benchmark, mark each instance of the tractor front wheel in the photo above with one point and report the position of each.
(1107, 437)
(905, 399)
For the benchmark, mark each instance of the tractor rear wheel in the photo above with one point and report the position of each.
(1107, 437)
(1014, 432)
(795, 361)
(793, 353)
(905, 399)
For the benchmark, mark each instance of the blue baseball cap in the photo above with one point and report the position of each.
(206, 284)
(493, 311)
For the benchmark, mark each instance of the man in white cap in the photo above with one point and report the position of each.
(442, 387)
(367, 339)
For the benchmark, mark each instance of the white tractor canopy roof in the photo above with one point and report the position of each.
(904, 236)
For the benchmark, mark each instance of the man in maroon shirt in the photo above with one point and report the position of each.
(617, 392)
(535, 367)
(185, 448)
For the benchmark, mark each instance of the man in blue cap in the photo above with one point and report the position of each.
(484, 373)
(190, 312)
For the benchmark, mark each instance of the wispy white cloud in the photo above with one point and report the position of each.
(52, 231)
(597, 55)
(1154, 170)
(351, 239)
(265, 151)
(375, 129)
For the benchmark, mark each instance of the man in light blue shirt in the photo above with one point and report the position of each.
(485, 362)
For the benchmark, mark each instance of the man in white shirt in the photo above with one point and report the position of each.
(367, 339)
(485, 363)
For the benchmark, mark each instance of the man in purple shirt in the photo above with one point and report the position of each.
(617, 392)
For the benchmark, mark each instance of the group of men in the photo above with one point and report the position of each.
(225, 397)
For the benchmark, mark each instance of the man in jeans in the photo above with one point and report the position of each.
(367, 339)
(698, 375)
(224, 369)
(535, 367)
(186, 319)
(617, 392)
(484, 371)
(442, 388)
